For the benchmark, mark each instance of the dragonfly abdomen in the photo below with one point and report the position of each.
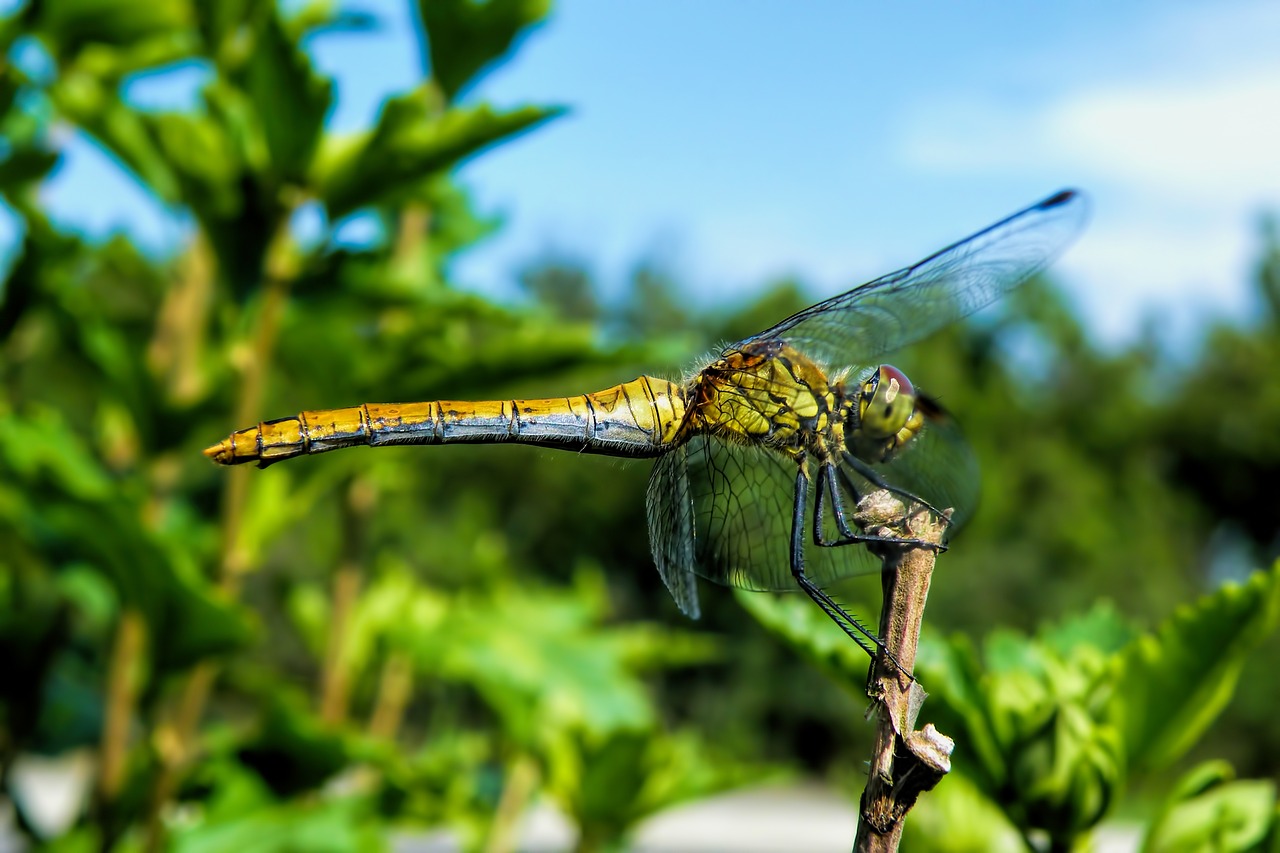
(637, 418)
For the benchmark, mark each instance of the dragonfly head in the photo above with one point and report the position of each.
(886, 405)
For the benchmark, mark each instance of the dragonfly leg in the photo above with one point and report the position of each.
(879, 482)
(827, 486)
(859, 633)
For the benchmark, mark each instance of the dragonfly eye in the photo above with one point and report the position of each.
(888, 399)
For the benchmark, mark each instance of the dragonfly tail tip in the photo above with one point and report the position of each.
(223, 453)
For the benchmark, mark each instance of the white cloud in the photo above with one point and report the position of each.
(1216, 142)
(1180, 150)
(1181, 274)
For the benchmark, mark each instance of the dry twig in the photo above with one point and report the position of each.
(906, 761)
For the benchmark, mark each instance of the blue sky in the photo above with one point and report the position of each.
(741, 140)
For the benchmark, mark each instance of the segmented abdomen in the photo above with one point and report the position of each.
(638, 418)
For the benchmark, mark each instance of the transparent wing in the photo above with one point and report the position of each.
(937, 465)
(742, 500)
(907, 305)
(671, 529)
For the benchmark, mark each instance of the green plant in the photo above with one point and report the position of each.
(1050, 730)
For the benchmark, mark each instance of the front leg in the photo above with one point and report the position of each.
(873, 476)
(827, 486)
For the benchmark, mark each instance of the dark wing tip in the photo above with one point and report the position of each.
(931, 408)
(1059, 198)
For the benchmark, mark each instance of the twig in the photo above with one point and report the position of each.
(906, 762)
(395, 686)
(335, 675)
(124, 678)
(176, 738)
(521, 784)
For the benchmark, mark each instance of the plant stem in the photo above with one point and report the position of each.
(409, 258)
(335, 678)
(173, 745)
(177, 738)
(522, 781)
(234, 561)
(905, 762)
(124, 680)
(395, 686)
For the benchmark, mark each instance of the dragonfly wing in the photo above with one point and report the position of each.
(743, 500)
(671, 529)
(905, 306)
(937, 465)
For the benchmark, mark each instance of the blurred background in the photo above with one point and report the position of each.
(220, 213)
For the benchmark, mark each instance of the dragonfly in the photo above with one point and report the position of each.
(800, 410)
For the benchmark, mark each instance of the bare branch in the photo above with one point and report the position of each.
(906, 762)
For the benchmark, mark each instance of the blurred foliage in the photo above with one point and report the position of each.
(319, 654)
(1049, 729)
(1209, 809)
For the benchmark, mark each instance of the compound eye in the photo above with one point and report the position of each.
(889, 376)
(887, 403)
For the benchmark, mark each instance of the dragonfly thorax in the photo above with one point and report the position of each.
(887, 416)
(766, 392)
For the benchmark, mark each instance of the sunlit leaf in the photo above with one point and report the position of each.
(466, 36)
(1208, 810)
(958, 817)
(610, 782)
(951, 671)
(1173, 682)
(1025, 720)
(540, 662)
(413, 140)
(246, 819)
(203, 159)
(807, 629)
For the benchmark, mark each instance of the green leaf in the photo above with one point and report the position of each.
(243, 816)
(41, 444)
(952, 673)
(220, 23)
(291, 750)
(541, 661)
(25, 165)
(959, 818)
(126, 133)
(1101, 630)
(465, 37)
(608, 783)
(197, 623)
(203, 161)
(11, 81)
(412, 141)
(1173, 683)
(1209, 811)
(326, 16)
(73, 512)
(807, 629)
(290, 99)
(1025, 720)
(72, 25)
